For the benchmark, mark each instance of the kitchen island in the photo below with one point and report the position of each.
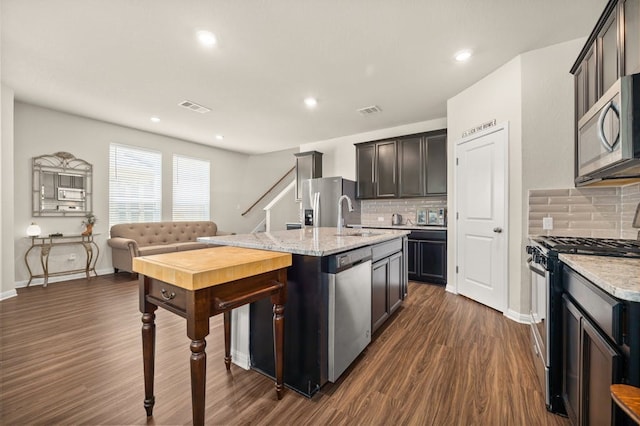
(308, 241)
(311, 335)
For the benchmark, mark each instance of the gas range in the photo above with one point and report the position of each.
(547, 302)
(588, 245)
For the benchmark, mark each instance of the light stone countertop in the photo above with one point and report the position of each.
(307, 241)
(618, 276)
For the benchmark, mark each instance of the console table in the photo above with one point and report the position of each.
(47, 243)
(198, 284)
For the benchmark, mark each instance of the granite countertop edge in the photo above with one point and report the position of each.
(306, 241)
(618, 276)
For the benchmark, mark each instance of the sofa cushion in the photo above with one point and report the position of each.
(163, 248)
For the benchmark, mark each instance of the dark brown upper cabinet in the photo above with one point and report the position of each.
(365, 159)
(436, 159)
(376, 169)
(308, 166)
(386, 170)
(411, 159)
(422, 165)
(611, 51)
(409, 166)
(630, 15)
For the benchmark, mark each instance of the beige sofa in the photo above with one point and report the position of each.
(129, 240)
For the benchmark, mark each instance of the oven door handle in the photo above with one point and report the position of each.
(535, 269)
(603, 139)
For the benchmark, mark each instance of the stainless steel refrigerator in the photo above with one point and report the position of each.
(320, 201)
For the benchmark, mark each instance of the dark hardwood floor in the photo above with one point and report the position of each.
(71, 354)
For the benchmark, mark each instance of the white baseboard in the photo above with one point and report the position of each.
(8, 294)
(60, 278)
(450, 289)
(518, 316)
(240, 359)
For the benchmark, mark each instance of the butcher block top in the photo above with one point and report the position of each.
(196, 269)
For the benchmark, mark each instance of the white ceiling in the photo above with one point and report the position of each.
(123, 61)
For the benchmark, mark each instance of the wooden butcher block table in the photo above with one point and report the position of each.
(198, 284)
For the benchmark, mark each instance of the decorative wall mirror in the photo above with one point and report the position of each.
(62, 185)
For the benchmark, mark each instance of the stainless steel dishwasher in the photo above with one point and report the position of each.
(349, 315)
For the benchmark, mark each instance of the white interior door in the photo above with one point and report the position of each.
(482, 206)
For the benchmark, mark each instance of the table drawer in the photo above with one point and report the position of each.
(168, 294)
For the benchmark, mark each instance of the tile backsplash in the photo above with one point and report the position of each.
(605, 212)
(372, 210)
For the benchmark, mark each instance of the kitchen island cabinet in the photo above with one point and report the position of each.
(307, 325)
(388, 282)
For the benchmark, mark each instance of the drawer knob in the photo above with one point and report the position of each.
(168, 296)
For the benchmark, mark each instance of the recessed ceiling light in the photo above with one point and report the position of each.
(463, 55)
(206, 38)
(219, 137)
(155, 119)
(311, 102)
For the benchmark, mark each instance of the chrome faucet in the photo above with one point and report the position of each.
(340, 219)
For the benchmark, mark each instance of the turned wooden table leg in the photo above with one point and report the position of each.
(227, 340)
(198, 380)
(148, 354)
(148, 343)
(278, 346)
(278, 301)
(197, 329)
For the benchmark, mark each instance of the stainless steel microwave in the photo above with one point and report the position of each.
(608, 139)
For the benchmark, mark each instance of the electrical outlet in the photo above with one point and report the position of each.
(547, 223)
(72, 256)
(380, 218)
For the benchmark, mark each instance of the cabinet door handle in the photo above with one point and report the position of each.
(603, 138)
(497, 230)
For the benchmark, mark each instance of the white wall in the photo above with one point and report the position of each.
(547, 130)
(339, 154)
(263, 171)
(7, 264)
(41, 131)
(547, 116)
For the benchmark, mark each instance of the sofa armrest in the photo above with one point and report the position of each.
(225, 233)
(125, 244)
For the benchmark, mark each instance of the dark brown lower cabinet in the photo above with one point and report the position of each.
(590, 365)
(427, 252)
(387, 288)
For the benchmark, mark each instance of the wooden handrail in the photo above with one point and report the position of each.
(269, 190)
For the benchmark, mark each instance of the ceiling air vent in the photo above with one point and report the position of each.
(194, 107)
(369, 110)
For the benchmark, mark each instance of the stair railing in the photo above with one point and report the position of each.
(269, 190)
(275, 201)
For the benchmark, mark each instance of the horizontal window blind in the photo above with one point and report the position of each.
(135, 185)
(191, 183)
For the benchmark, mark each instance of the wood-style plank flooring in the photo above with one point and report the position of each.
(71, 354)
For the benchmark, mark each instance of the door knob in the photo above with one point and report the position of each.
(497, 230)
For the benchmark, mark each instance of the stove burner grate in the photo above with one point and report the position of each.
(595, 246)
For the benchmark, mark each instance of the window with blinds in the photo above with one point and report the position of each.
(191, 183)
(135, 185)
